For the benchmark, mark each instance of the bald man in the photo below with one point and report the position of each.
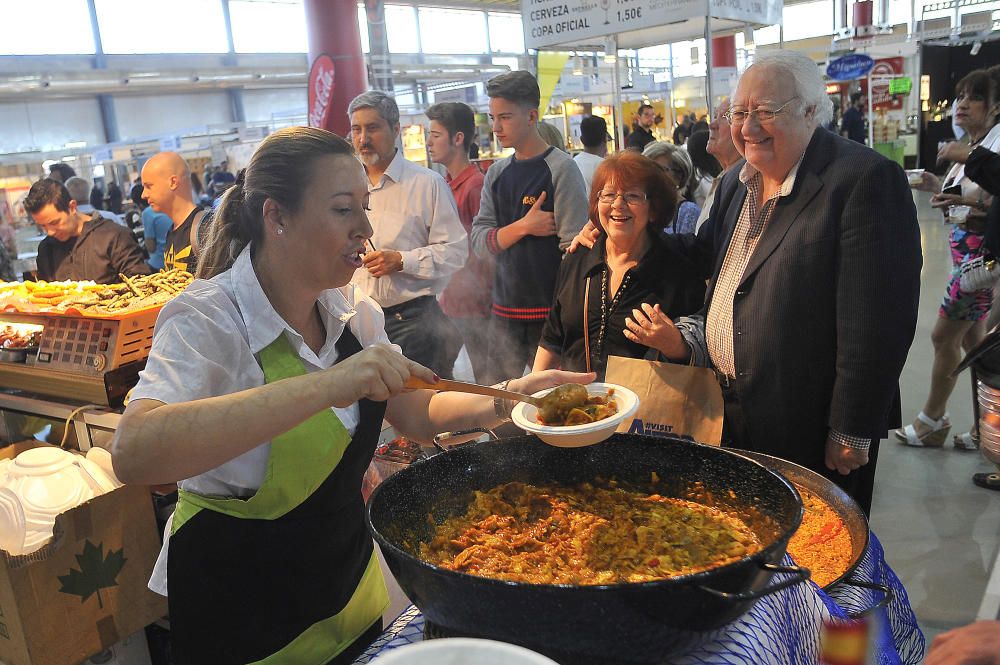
(166, 183)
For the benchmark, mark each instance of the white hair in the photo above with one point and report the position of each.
(806, 78)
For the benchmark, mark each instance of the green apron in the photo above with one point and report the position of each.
(288, 575)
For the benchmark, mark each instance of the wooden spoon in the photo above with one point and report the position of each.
(464, 387)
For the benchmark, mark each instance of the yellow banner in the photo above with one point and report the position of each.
(550, 67)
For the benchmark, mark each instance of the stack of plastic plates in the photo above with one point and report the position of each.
(38, 485)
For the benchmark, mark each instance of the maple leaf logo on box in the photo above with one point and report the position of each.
(96, 572)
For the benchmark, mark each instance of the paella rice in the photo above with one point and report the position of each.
(590, 533)
(822, 543)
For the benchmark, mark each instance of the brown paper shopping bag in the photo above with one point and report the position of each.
(673, 399)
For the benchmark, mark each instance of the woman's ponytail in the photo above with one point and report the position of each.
(227, 233)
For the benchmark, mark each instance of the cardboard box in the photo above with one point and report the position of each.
(130, 651)
(86, 589)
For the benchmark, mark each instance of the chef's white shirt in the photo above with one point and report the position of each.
(206, 344)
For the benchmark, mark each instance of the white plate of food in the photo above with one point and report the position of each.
(462, 651)
(572, 420)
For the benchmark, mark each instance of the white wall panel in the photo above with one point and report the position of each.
(166, 114)
(262, 105)
(49, 125)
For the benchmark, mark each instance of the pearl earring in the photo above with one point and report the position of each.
(280, 231)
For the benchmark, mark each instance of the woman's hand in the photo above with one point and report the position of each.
(975, 644)
(928, 183)
(946, 200)
(376, 373)
(587, 236)
(954, 151)
(549, 378)
(651, 327)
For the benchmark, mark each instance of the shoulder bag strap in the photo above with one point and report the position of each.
(196, 231)
(586, 329)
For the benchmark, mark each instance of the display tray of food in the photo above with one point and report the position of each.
(633, 549)
(18, 341)
(109, 301)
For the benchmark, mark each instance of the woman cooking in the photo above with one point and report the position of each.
(263, 397)
(614, 299)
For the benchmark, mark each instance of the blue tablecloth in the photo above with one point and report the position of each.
(781, 629)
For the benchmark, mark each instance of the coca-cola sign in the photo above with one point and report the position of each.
(321, 82)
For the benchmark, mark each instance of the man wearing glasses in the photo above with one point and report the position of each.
(813, 302)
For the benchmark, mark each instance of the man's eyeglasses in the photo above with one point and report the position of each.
(737, 116)
(631, 198)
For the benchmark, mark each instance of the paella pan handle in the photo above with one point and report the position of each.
(799, 574)
(444, 436)
(887, 595)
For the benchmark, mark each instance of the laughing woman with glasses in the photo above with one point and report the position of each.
(616, 298)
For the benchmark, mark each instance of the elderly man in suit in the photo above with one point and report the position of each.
(813, 300)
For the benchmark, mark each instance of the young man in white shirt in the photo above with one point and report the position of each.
(418, 240)
(594, 136)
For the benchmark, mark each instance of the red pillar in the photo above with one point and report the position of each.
(862, 13)
(336, 64)
(723, 51)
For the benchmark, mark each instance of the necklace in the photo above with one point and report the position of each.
(607, 308)
(973, 144)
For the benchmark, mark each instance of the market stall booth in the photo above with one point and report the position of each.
(635, 24)
(69, 354)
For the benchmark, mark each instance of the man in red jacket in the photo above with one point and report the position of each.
(467, 298)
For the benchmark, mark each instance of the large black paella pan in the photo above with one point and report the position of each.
(638, 622)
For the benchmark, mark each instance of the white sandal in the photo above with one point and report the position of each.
(965, 441)
(932, 438)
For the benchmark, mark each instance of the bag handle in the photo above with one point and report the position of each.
(586, 329)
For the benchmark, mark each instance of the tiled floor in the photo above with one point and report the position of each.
(941, 533)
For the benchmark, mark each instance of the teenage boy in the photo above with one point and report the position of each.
(466, 300)
(534, 202)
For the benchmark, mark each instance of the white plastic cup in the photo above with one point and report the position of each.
(958, 214)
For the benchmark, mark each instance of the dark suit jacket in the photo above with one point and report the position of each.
(826, 310)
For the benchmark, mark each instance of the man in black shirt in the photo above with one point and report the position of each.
(166, 183)
(222, 180)
(852, 125)
(642, 131)
(78, 246)
(683, 130)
